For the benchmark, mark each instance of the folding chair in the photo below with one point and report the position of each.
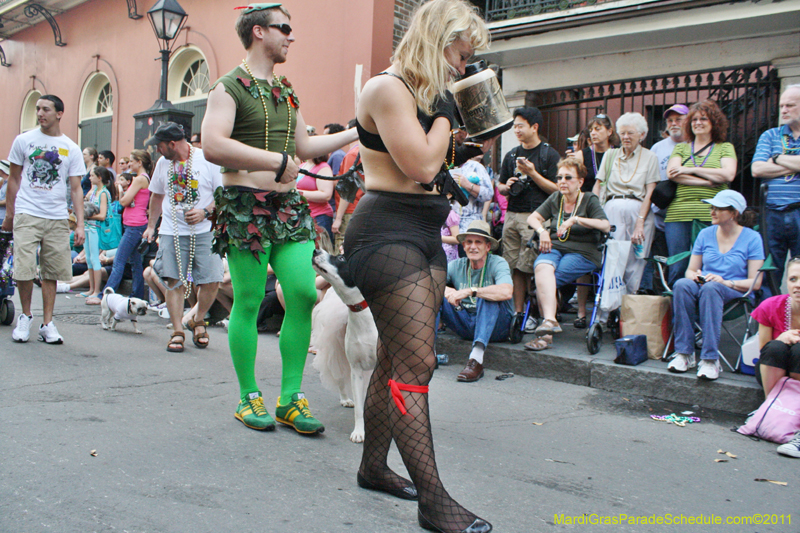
(739, 307)
(743, 307)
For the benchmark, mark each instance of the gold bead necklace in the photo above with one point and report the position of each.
(266, 114)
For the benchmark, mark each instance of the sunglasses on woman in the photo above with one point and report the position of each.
(564, 177)
(283, 28)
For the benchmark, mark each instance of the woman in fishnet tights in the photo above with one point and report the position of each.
(393, 247)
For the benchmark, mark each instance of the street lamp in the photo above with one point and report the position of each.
(167, 18)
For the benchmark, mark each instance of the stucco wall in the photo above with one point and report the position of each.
(332, 36)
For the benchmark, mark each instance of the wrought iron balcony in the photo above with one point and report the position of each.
(511, 9)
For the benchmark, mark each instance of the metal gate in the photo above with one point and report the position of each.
(747, 95)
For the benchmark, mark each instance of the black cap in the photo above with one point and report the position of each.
(168, 131)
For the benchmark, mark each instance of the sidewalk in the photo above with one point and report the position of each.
(569, 361)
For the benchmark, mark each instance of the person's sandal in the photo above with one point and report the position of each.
(580, 322)
(548, 327)
(539, 343)
(179, 343)
(197, 337)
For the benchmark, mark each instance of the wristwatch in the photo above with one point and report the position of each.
(775, 158)
(539, 230)
(474, 291)
(207, 214)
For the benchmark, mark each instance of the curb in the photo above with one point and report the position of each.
(734, 393)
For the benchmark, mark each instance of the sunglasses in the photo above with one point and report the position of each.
(564, 177)
(283, 28)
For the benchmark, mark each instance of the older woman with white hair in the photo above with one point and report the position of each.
(625, 181)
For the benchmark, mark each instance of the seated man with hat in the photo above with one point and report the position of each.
(477, 300)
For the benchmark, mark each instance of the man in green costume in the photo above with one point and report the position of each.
(253, 128)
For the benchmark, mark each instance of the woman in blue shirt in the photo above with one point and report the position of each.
(724, 262)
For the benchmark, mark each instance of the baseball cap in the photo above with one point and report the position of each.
(728, 198)
(167, 132)
(5, 166)
(677, 108)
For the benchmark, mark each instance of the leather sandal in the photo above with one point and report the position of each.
(172, 342)
(539, 343)
(580, 322)
(548, 327)
(197, 337)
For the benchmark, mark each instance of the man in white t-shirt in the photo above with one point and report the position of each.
(182, 189)
(663, 150)
(44, 163)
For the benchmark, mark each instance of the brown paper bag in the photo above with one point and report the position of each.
(647, 315)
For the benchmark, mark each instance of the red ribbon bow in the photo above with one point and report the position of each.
(397, 396)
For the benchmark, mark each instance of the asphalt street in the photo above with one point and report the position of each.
(110, 433)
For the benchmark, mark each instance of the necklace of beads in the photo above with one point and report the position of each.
(191, 184)
(788, 313)
(573, 214)
(266, 114)
(619, 166)
(711, 149)
(468, 275)
(789, 151)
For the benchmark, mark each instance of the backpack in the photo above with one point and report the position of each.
(109, 231)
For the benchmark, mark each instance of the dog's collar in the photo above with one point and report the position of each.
(358, 307)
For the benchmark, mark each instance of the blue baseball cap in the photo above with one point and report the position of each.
(728, 198)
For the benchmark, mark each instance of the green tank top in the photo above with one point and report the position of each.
(248, 127)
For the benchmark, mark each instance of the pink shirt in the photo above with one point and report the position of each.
(307, 183)
(772, 314)
(136, 213)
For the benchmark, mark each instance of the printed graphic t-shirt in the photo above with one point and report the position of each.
(47, 163)
(208, 178)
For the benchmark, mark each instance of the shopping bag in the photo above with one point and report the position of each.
(613, 285)
(650, 316)
(778, 418)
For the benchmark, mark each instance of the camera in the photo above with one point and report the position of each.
(701, 279)
(520, 185)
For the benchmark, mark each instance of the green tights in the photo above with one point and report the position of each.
(292, 265)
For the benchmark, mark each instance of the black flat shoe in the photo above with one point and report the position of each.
(580, 322)
(406, 493)
(478, 526)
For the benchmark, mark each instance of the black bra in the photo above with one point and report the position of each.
(373, 141)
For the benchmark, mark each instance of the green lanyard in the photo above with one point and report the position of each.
(468, 273)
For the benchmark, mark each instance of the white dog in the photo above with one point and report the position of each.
(344, 333)
(116, 308)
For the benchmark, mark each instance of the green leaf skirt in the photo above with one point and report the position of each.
(248, 218)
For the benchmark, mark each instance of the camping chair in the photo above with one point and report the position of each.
(737, 308)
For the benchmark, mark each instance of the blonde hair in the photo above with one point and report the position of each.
(420, 55)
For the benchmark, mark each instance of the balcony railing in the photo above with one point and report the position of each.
(511, 9)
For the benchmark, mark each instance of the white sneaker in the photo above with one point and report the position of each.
(681, 363)
(530, 325)
(62, 287)
(49, 334)
(22, 332)
(791, 448)
(709, 369)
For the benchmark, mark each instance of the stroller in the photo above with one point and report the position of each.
(6, 278)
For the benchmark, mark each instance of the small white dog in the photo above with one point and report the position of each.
(116, 308)
(344, 333)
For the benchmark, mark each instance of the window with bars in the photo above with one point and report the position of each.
(104, 100)
(196, 80)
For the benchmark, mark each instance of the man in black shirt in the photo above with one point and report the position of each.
(527, 177)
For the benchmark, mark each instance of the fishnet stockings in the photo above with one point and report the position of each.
(404, 293)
